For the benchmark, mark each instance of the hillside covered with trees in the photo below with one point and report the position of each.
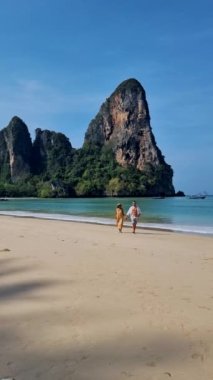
(119, 156)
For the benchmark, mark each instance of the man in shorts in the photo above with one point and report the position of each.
(134, 212)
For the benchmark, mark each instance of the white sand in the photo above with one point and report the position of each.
(83, 302)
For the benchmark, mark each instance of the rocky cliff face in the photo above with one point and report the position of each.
(118, 139)
(124, 123)
(19, 157)
(50, 149)
(15, 150)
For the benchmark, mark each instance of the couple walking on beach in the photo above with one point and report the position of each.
(134, 212)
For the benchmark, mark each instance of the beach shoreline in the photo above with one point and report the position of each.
(81, 301)
(185, 229)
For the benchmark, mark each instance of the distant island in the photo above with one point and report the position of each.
(119, 156)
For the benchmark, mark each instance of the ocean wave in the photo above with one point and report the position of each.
(204, 230)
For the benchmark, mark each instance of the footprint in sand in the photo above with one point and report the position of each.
(197, 355)
(84, 357)
(5, 250)
(127, 374)
(151, 364)
(204, 307)
(187, 299)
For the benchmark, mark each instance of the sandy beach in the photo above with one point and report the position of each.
(85, 302)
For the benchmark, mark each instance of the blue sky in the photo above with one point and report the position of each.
(60, 60)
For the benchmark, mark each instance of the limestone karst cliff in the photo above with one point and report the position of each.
(119, 156)
(123, 123)
(15, 150)
(50, 149)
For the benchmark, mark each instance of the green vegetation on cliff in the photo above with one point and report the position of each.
(119, 156)
(92, 172)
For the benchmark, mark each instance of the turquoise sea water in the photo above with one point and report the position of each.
(177, 214)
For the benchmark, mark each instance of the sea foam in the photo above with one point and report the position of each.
(203, 230)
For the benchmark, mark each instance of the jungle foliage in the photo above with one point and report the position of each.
(87, 172)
